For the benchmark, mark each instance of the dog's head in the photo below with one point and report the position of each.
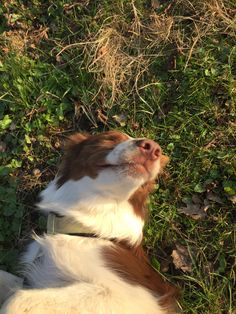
(114, 160)
(104, 181)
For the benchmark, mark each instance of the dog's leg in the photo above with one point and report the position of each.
(8, 285)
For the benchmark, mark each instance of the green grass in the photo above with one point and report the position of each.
(180, 93)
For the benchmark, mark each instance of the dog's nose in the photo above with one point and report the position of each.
(149, 148)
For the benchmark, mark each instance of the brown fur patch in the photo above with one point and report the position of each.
(164, 161)
(132, 265)
(86, 154)
(139, 199)
(140, 196)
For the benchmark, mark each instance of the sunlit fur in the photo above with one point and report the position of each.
(69, 274)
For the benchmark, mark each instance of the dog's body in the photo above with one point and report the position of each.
(103, 185)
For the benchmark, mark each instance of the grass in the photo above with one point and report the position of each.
(160, 69)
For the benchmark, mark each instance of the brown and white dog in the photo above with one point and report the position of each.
(102, 185)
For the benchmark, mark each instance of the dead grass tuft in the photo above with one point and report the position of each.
(19, 40)
(161, 27)
(223, 13)
(109, 59)
(121, 52)
(13, 40)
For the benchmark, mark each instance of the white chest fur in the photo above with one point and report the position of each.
(103, 213)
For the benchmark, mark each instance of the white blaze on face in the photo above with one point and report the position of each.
(121, 152)
(127, 153)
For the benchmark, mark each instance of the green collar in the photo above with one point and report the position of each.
(66, 225)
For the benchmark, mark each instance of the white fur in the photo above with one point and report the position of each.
(94, 204)
(72, 278)
(33, 251)
(68, 274)
(126, 152)
(8, 285)
(102, 203)
(123, 151)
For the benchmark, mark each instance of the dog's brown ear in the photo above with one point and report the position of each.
(74, 139)
(164, 161)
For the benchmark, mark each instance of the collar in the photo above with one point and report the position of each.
(67, 225)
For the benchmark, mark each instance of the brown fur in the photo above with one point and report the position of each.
(80, 160)
(139, 198)
(164, 161)
(132, 265)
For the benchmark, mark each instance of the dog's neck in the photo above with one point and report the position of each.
(101, 214)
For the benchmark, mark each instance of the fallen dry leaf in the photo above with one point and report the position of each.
(135, 125)
(36, 172)
(213, 197)
(206, 202)
(195, 211)
(120, 119)
(196, 199)
(232, 198)
(181, 258)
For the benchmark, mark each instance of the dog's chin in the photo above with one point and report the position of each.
(145, 171)
(136, 170)
(142, 171)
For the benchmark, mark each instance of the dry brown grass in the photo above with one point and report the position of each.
(19, 34)
(121, 55)
(20, 40)
(206, 18)
(109, 59)
(122, 50)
